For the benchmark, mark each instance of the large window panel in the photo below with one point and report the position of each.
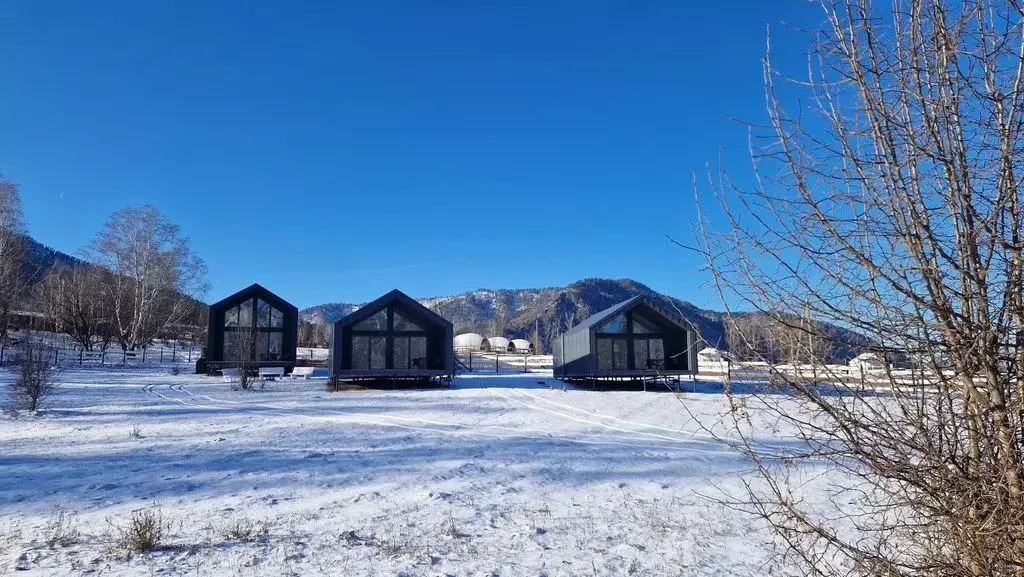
(604, 354)
(402, 323)
(360, 352)
(231, 317)
(274, 347)
(245, 314)
(620, 354)
(642, 325)
(657, 347)
(262, 314)
(400, 354)
(418, 352)
(615, 326)
(378, 352)
(640, 354)
(276, 319)
(262, 345)
(231, 345)
(376, 322)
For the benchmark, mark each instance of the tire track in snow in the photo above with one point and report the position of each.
(653, 436)
(720, 440)
(382, 420)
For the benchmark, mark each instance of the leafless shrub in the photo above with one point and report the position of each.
(245, 530)
(35, 374)
(241, 352)
(135, 432)
(142, 531)
(895, 213)
(61, 530)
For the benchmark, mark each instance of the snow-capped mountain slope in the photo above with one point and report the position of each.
(517, 313)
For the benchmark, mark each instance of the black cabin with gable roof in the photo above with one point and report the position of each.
(257, 318)
(392, 338)
(635, 339)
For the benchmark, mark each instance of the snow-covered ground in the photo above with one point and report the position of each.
(506, 474)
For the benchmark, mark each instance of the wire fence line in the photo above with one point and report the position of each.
(78, 356)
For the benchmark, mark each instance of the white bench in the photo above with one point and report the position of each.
(302, 372)
(271, 373)
(229, 375)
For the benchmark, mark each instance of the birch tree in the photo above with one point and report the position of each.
(12, 249)
(155, 277)
(887, 199)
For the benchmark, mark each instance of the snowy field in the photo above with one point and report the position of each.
(501, 476)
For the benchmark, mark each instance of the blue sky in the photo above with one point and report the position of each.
(435, 147)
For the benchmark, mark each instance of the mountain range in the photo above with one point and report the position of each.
(518, 313)
(513, 313)
(40, 258)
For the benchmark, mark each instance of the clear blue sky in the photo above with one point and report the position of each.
(333, 151)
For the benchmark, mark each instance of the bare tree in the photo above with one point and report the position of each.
(240, 350)
(892, 206)
(154, 279)
(35, 374)
(75, 299)
(12, 249)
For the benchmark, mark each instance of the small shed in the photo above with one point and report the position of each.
(867, 363)
(471, 342)
(392, 338)
(520, 346)
(634, 339)
(711, 355)
(252, 324)
(499, 344)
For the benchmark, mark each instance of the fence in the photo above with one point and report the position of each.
(476, 361)
(78, 356)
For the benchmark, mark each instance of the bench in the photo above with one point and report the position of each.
(271, 373)
(302, 372)
(229, 375)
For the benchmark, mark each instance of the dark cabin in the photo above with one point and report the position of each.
(257, 318)
(392, 338)
(633, 340)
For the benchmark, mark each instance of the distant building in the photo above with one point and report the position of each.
(867, 363)
(499, 344)
(711, 355)
(633, 339)
(471, 342)
(257, 318)
(520, 346)
(392, 338)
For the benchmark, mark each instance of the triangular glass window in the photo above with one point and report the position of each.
(644, 326)
(615, 326)
(377, 322)
(404, 324)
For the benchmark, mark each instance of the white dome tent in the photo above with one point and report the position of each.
(470, 342)
(499, 344)
(522, 346)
